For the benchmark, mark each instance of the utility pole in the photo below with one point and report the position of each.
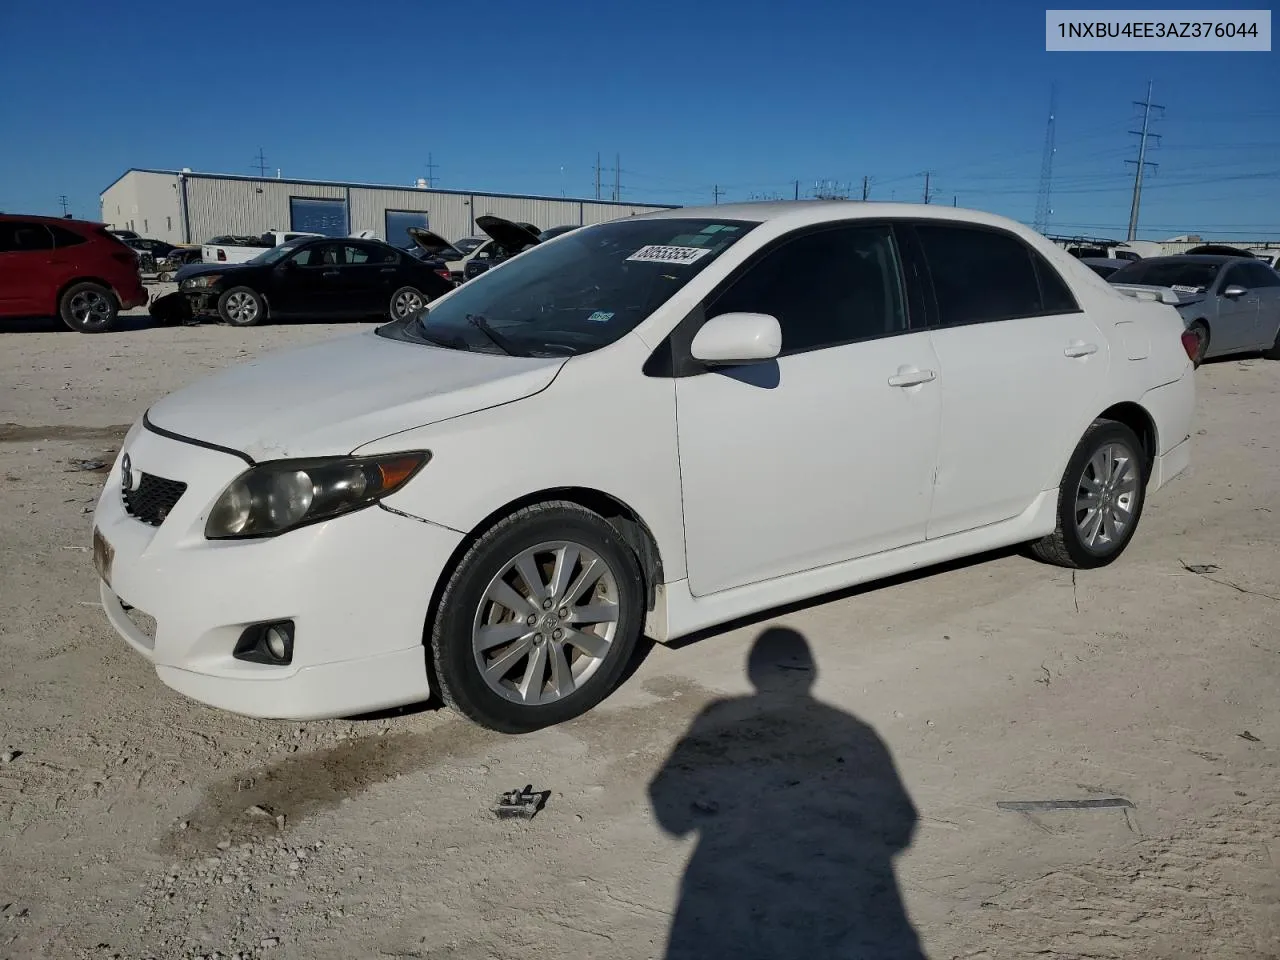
(597, 174)
(866, 183)
(261, 164)
(926, 186)
(62, 199)
(1147, 106)
(431, 171)
(1044, 208)
(953, 199)
(617, 177)
(716, 193)
(797, 186)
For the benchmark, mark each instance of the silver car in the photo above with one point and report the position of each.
(1231, 304)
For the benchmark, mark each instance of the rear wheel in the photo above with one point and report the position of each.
(406, 302)
(88, 308)
(1100, 499)
(1274, 352)
(1200, 330)
(538, 621)
(242, 307)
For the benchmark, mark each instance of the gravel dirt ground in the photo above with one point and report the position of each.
(137, 824)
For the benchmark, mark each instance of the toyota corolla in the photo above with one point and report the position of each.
(652, 426)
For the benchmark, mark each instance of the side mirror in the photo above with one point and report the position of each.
(736, 338)
(1234, 291)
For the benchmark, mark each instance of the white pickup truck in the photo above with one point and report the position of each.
(242, 249)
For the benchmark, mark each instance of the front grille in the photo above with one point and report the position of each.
(153, 499)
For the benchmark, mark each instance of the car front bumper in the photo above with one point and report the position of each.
(357, 589)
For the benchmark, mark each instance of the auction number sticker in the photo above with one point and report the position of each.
(681, 256)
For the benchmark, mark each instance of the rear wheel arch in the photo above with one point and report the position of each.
(1136, 418)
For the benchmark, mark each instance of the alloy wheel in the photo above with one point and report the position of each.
(90, 308)
(242, 308)
(546, 623)
(1106, 497)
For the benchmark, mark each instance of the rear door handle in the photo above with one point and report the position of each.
(910, 378)
(1079, 349)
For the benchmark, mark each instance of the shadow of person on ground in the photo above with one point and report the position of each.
(799, 812)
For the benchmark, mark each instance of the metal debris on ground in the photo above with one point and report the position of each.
(10, 755)
(1024, 806)
(89, 465)
(1249, 736)
(521, 803)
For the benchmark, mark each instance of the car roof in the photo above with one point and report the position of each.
(50, 220)
(1106, 261)
(802, 212)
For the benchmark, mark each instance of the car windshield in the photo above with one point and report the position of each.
(275, 254)
(1168, 273)
(579, 294)
(467, 244)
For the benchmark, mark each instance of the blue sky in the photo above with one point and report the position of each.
(744, 95)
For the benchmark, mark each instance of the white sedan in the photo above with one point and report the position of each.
(651, 425)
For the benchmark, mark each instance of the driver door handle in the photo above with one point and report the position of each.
(1078, 348)
(387, 270)
(329, 273)
(911, 378)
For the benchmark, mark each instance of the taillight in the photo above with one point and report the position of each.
(222, 254)
(1191, 344)
(444, 273)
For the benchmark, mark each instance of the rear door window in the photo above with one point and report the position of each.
(980, 276)
(24, 236)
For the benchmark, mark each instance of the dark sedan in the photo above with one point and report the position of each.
(320, 277)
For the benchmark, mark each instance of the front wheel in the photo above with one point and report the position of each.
(1100, 499)
(242, 307)
(89, 308)
(538, 621)
(406, 302)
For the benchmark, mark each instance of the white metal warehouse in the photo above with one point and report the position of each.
(180, 206)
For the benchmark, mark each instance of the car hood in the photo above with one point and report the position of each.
(513, 236)
(331, 397)
(429, 241)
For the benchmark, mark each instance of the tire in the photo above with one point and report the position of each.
(1201, 330)
(406, 302)
(88, 308)
(1273, 353)
(1081, 540)
(242, 307)
(562, 679)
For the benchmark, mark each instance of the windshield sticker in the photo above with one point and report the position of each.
(1181, 288)
(600, 316)
(657, 253)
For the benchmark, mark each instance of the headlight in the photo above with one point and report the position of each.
(273, 497)
(203, 280)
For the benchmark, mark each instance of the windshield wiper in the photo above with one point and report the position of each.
(499, 340)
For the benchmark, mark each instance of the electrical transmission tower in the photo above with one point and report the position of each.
(1141, 162)
(62, 199)
(1044, 210)
(260, 161)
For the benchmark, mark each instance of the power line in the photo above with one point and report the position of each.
(1142, 160)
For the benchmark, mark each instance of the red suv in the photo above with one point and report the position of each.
(73, 268)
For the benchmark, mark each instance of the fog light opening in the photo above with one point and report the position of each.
(269, 643)
(277, 643)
